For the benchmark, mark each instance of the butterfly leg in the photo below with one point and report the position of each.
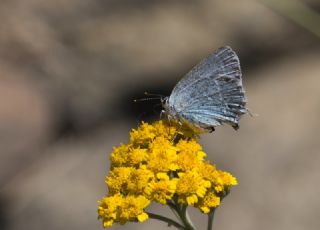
(177, 132)
(162, 114)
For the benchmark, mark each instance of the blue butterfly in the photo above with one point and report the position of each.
(211, 94)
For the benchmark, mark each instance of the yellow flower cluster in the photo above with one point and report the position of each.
(162, 162)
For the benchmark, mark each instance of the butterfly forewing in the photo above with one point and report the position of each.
(212, 92)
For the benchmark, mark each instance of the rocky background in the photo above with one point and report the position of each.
(69, 71)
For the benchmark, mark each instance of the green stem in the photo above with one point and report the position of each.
(210, 219)
(166, 219)
(175, 209)
(181, 213)
(186, 219)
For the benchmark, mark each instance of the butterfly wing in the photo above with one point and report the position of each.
(212, 92)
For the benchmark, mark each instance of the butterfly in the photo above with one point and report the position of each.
(211, 94)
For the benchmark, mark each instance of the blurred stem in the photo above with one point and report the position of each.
(298, 12)
(166, 219)
(210, 219)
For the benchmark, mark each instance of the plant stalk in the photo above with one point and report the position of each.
(210, 219)
(166, 219)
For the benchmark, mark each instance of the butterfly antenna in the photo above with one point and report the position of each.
(146, 99)
(154, 94)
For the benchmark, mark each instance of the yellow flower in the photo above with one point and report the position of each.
(139, 180)
(132, 208)
(191, 186)
(165, 129)
(121, 209)
(208, 171)
(227, 178)
(127, 155)
(163, 155)
(208, 202)
(190, 154)
(118, 180)
(220, 180)
(119, 155)
(162, 189)
(128, 180)
(143, 135)
(107, 210)
(224, 181)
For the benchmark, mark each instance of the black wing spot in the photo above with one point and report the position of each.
(211, 129)
(235, 127)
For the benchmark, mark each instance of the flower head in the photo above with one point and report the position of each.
(118, 208)
(118, 179)
(190, 154)
(162, 155)
(208, 202)
(221, 181)
(162, 189)
(163, 162)
(191, 186)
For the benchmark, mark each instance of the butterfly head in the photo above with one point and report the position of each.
(168, 109)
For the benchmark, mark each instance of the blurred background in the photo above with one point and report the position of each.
(69, 71)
